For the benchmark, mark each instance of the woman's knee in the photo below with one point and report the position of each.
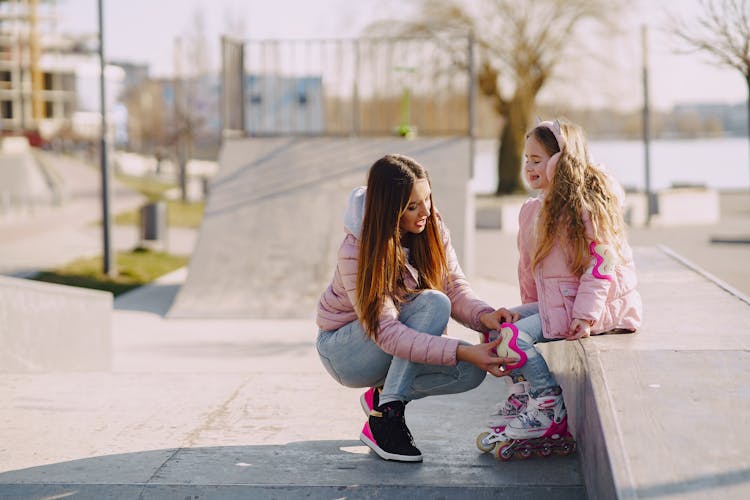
(474, 377)
(436, 302)
(428, 312)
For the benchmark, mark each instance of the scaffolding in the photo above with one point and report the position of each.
(36, 91)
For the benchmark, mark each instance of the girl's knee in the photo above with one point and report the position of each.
(525, 341)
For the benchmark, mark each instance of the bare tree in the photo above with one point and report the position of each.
(192, 63)
(520, 44)
(723, 31)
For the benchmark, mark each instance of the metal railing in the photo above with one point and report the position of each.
(367, 86)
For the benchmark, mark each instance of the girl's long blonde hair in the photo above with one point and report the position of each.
(576, 186)
(382, 258)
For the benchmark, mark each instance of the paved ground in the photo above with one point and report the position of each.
(238, 408)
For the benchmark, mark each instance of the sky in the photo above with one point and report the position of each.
(144, 31)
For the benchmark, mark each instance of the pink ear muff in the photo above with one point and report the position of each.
(561, 142)
(551, 166)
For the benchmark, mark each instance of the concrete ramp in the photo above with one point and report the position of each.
(274, 220)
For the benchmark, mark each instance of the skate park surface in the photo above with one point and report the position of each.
(240, 406)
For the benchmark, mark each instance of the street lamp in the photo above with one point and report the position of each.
(108, 259)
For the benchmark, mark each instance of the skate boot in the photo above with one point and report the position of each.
(386, 433)
(504, 413)
(370, 399)
(542, 428)
(508, 348)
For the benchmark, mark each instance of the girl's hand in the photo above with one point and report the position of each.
(491, 321)
(481, 355)
(578, 329)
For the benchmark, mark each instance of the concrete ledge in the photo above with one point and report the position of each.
(663, 412)
(674, 207)
(46, 327)
(498, 212)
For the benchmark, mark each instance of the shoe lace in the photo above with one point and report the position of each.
(397, 417)
(529, 418)
(512, 405)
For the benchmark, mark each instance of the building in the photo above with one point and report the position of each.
(48, 81)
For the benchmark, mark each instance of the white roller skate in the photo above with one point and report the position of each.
(504, 413)
(542, 428)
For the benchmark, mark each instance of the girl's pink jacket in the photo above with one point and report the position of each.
(605, 293)
(335, 307)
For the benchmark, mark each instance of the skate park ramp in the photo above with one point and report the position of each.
(274, 219)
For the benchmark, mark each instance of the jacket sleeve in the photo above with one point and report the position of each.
(596, 280)
(525, 275)
(394, 337)
(466, 306)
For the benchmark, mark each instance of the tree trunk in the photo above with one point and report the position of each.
(512, 139)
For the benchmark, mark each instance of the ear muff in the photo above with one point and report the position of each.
(561, 142)
(551, 166)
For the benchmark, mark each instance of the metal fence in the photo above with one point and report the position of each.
(369, 86)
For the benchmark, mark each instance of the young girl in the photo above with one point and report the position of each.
(396, 284)
(576, 269)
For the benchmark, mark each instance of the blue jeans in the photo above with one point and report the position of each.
(354, 360)
(535, 371)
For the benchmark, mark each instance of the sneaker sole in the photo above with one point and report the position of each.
(388, 456)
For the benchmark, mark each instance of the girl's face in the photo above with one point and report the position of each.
(535, 164)
(414, 218)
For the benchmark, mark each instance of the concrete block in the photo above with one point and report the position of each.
(679, 206)
(499, 212)
(47, 327)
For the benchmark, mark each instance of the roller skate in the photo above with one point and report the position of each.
(508, 348)
(541, 429)
(504, 413)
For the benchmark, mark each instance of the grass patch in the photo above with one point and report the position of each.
(134, 268)
(178, 215)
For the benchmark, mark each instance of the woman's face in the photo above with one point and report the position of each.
(414, 218)
(535, 164)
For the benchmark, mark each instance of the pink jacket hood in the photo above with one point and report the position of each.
(606, 292)
(336, 309)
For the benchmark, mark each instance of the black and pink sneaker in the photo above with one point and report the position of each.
(370, 399)
(386, 433)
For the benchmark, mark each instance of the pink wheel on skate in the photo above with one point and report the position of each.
(545, 450)
(524, 453)
(504, 450)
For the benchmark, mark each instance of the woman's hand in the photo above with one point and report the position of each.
(481, 355)
(492, 320)
(578, 329)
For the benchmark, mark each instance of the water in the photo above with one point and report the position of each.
(718, 163)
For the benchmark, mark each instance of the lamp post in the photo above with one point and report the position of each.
(646, 130)
(107, 256)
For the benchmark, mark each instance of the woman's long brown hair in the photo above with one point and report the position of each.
(382, 258)
(576, 186)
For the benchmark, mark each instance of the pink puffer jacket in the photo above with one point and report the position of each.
(335, 307)
(605, 293)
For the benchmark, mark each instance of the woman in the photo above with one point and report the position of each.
(396, 284)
